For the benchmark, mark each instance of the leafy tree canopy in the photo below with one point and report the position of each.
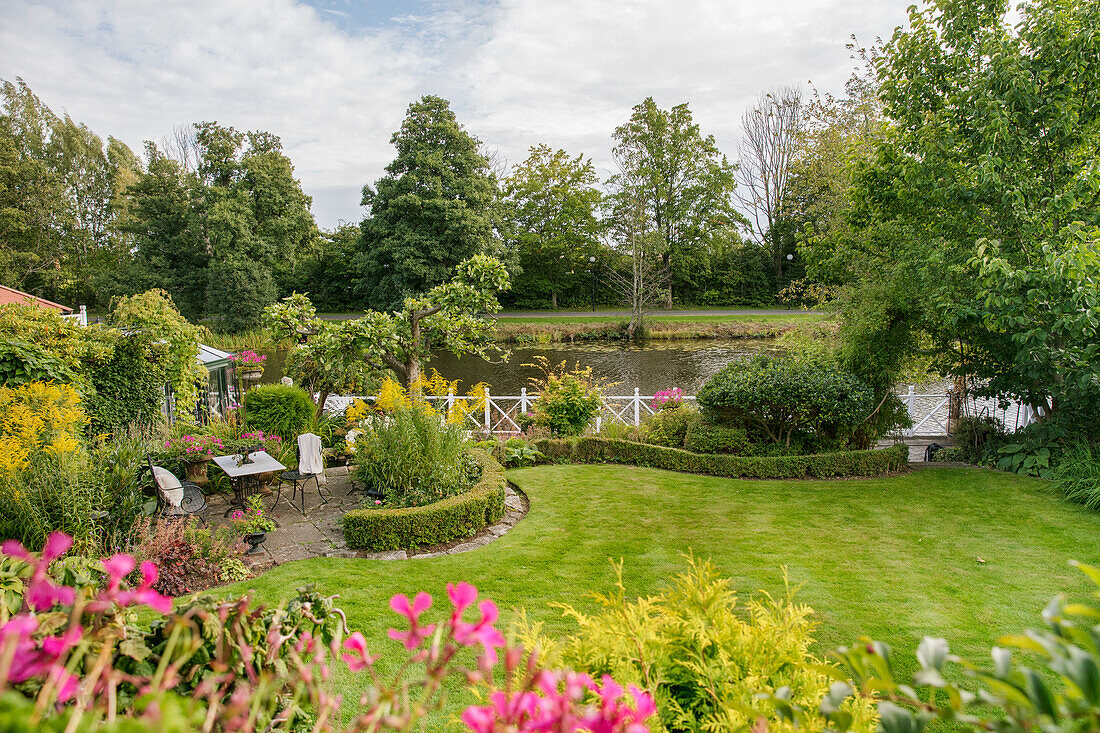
(435, 207)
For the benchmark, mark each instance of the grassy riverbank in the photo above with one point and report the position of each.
(565, 327)
(578, 327)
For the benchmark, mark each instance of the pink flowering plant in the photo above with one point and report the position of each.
(270, 443)
(72, 654)
(194, 447)
(253, 518)
(249, 358)
(668, 399)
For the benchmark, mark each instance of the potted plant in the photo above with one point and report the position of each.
(268, 442)
(249, 364)
(253, 524)
(195, 452)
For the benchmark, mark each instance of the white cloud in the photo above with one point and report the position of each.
(520, 72)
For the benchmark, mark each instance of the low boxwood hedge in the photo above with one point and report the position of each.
(443, 521)
(821, 465)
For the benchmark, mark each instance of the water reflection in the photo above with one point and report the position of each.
(650, 367)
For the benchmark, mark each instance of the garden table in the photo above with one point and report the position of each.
(237, 471)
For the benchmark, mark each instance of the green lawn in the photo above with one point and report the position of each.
(894, 558)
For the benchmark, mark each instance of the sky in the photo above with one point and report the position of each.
(333, 78)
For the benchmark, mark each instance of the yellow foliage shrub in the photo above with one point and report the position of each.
(38, 417)
(709, 663)
(392, 396)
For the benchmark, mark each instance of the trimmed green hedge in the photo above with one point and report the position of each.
(449, 519)
(821, 465)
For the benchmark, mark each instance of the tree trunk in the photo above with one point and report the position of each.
(412, 360)
(322, 398)
(554, 300)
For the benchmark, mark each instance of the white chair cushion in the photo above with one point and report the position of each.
(169, 485)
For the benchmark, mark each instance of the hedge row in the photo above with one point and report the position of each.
(820, 465)
(450, 519)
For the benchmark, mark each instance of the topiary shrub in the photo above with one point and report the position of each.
(669, 427)
(593, 449)
(782, 398)
(443, 521)
(279, 409)
(704, 437)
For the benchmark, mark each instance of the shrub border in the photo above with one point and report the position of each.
(591, 449)
(453, 518)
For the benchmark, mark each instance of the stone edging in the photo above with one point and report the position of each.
(516, 506)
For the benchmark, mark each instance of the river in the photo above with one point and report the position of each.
(651, 367)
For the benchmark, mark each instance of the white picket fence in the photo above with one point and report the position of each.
(499, 414)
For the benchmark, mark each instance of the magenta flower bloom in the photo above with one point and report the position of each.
(416, 633)
(42, 593)
(357, 657)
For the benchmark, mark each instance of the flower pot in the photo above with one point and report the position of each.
(196, 471)
(249, 372)
(255, 540)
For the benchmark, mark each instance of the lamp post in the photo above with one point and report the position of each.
(592, 269)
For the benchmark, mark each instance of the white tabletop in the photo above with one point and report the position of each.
(261, 463)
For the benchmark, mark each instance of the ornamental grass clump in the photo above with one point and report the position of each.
(411, 454)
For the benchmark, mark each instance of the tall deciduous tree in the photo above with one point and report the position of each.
(686, 184)
(435, 207)
(551, 205)
(994, 134)
(768, 146)
(60, 187)
(216, 237)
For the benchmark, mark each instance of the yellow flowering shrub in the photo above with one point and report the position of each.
(392, 396)
(38, 417)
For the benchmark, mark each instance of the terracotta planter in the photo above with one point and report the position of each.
(196, 472)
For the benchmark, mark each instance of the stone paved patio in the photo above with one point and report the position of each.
(318, 533)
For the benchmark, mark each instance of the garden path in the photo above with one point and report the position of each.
(318, 533)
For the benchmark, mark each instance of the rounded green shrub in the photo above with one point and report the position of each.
(782, 398)
(279, 409)
(669, 427)
(703, 437)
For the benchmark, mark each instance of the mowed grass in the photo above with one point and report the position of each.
(894, 558)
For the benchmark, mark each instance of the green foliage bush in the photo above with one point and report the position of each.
(977, 436)
(22, 362)
(568, 400)
(1076, 475)
(708, 661)
(704, 437)
(280, 409)
(784, 397)
(591, 449)
(443, 521)
(412, 456)
(669, 427)
(128, 386)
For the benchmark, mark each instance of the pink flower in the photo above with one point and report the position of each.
(42, 593)
(416, 633)
(483, 631)
(358, 658)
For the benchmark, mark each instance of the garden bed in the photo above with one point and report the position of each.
(440, 522)
(592, 449)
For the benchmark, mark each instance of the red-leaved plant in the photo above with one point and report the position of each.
(69, 651)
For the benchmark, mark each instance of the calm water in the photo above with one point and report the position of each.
(650, 367)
